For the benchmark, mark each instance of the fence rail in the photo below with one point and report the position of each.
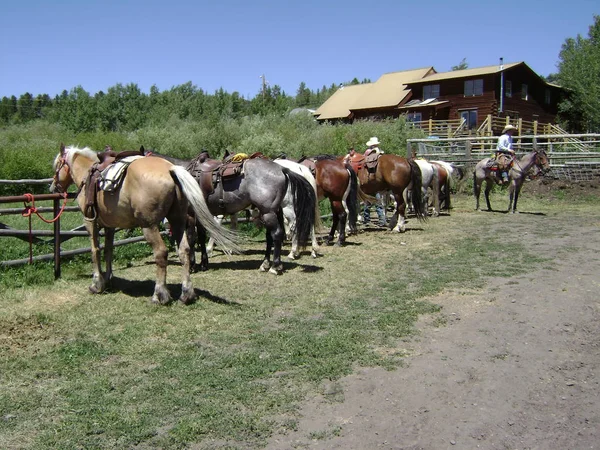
(573, 157)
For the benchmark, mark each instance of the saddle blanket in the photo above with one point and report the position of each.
(112, 177)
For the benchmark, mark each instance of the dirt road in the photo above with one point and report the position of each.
(516, 365)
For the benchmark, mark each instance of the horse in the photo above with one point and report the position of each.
(337, 182)
(429, 179)
(448, 174)
(264, 185)
(400, 176)
(519, 169)
(151, 190)
(288, 209)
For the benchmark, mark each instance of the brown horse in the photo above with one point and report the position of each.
(400, 176)
(519, 169)
(448, 173)
(338, 183)
(151, 190)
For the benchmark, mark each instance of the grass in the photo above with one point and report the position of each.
(112, 371)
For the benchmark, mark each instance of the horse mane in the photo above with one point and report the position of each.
(71, 151)
(323, 157)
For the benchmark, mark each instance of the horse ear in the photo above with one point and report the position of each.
(62, 149)
(142, 150)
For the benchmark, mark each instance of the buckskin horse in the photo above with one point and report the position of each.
(400, 176)
(150, 190)
(338, 183)
(261, 183)
(518, 171)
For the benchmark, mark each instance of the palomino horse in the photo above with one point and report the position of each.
(518, 171)
(448, 174)
(264, 185)
(289, 213)
(400, 176)
(152, 189)
(337, 182)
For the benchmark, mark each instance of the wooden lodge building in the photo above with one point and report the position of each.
(471, 101)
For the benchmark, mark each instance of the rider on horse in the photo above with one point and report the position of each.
(504, 151)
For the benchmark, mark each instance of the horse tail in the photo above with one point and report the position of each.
(304, 205)
(227, 239)
(416, 179)
(352, 198)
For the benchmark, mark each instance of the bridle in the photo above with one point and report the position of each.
(55, 180)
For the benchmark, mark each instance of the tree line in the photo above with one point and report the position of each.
(124, 108)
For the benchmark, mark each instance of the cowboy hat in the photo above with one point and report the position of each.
(509, 128)
(373, 141)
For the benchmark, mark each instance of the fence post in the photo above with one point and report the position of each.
(408, 149)
(56, 203)
(489, 125)
(430, 127)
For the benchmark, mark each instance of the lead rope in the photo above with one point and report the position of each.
(29, 210)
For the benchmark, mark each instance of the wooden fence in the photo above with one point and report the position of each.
(573, 157)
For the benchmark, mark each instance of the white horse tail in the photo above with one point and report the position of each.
(227, 239)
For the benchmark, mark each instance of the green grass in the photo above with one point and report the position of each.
(113, 371)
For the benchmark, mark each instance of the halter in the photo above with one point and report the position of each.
(62, 163)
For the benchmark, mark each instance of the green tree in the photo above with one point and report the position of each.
(303, 95)
(8, 109)
(579, 73)
(462, 65)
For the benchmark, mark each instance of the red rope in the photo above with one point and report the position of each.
(32, 209)
(29, 210)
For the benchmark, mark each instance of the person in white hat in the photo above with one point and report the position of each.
(373, 146)
(505, 147)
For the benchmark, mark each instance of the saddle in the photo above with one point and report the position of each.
(106, 175)
(310, 163)
(211, 172)
(357, 162)
(500, 162)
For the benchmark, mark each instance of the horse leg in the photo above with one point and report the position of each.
(513, 192)
(336, 212)
(399, 214)
(161, 294)
(98, 280)
(201, 236)
(488, 188)
(290, 231)
(476, 191)
(180, 233)
(109, 239)
(275, 234)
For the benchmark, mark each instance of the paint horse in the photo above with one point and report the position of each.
(259, 182)
(337, 182)
(150, 190)
(290, 215)
(400, 176)
(517, 173)
(430, 178)
(448, 174)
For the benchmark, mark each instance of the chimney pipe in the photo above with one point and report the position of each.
(501, 107)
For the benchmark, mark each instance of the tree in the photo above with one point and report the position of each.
(462, 65)
(303, 95)
(579, 73)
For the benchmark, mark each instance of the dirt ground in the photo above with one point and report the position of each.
(515, 365)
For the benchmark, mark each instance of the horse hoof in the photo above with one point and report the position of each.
(187, 298)
(265, 266)
(293, 256)
(276, 271)
(314, 254)
(95, 289)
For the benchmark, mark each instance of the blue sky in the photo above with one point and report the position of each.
(53, 45)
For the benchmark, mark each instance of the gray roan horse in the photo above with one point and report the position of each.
(518, 171)
(152, 189)
(262, 184)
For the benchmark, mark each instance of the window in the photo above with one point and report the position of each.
(414, 117)
(508, 89)
(470, 116)
(473, 87)
(524, 94)
(431, 91)
(548, 98)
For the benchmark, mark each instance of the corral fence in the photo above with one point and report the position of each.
(573, 157)
(56, 236)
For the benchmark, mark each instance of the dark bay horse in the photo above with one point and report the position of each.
(337, 182)
(152, 189)
(400, 176)
(264, 185)
(518, 171)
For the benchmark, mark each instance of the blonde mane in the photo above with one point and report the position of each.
(70, 153)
